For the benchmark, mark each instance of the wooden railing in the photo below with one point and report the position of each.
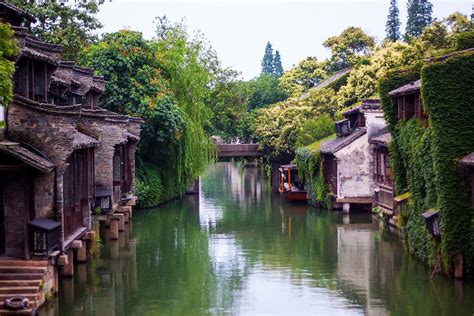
(385, 197)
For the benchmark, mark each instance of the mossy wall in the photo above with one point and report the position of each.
(425, 160)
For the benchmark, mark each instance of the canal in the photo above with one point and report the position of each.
(236, 249)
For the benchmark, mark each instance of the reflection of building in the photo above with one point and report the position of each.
(356, 265)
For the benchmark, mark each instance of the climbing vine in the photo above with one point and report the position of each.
(309, 162)
(447, 93)
(425, 159)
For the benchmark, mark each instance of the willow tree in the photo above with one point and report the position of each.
(165, 85)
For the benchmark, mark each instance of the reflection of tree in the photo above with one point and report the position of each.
(175, 272)
(275, 234)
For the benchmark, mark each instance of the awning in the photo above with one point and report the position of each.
(28, 157)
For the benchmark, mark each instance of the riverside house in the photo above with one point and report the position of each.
(61, 157)
(347, 159)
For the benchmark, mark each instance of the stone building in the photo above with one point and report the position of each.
(61, 156)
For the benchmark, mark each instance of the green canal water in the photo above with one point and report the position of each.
(236, 249)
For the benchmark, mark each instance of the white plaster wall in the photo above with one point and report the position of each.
(353, 171)
(375, 122)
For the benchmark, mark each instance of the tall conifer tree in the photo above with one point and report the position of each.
(267, 61)
(392, 27)
(277, 67)
(419, 16)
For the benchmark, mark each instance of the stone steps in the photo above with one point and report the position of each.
(23, 263)
(19, 290)
(9, 283)
(22, 276)
(21, 269)
(23, 279)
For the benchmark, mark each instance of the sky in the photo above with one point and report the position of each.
(239, 29)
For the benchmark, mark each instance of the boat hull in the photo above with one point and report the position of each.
(298, 196)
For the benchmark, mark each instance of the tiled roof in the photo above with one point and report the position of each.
(384, 139)
(334, 145)
(84, 77)
(17, 10)
(82, 140)
(412, 87)
(32, 47)
(28, 157)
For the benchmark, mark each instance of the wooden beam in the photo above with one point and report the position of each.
(12, 167)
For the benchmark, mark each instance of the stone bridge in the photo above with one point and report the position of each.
(238, 150)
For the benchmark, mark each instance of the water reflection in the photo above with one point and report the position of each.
(236, 249)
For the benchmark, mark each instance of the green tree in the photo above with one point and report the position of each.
(264, 91)
(8, 49)
(136, 86)
(419, 16)
(277, 67)
(314, 129)
(228, 103)
(392, 27)
(267, 61)
(72, 26)
(348, 47)
(308, 73)
(164, 81)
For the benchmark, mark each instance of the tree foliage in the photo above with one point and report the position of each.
(278, 126)
(73, 26)
(392, 27)
(419, 16)
(348, 48)
(277, 67)
(267, 61)
(264, 91)
(8, 49)
(308, 73)
(166, 82)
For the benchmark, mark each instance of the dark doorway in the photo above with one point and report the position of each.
(2, 218)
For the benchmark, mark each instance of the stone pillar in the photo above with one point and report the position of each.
(68, 269)
(107, 220)
(114, 228)
(346, 207)
(82, 254)
(121, 222)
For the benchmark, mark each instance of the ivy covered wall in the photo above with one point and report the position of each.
(425, 160)
(448, 93)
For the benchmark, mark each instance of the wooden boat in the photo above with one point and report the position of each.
(290, 185)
